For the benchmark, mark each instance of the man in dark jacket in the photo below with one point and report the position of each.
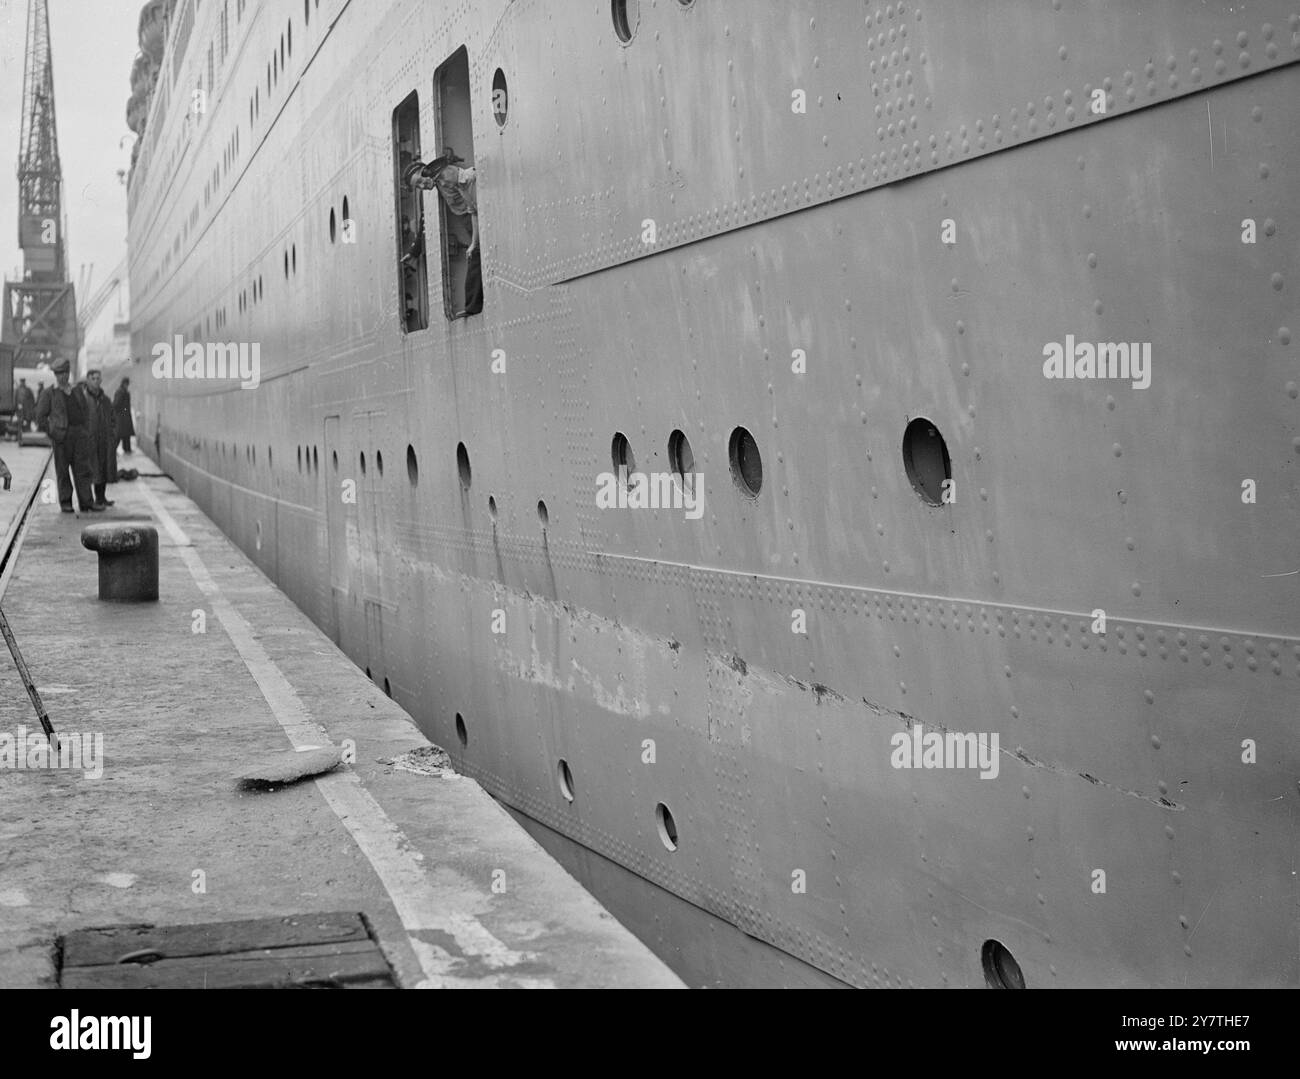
(25, 404)
(63, 413)
(103, 438)
(122, 410)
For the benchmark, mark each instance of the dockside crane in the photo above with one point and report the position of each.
(99, 299)
(38, 323)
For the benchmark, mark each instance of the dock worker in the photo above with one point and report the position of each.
(63, 413)
(457, 187)
(25, 404)
(103, 439)
(122, 410)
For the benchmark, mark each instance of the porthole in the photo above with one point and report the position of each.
(379, 461)
(333, 225)
(363, 464)
(620, 452)
(388, 692)
(926, 461)
(500, 97)
(461, 733)
(566, 780)
(315, 459)
(462, 465)
(306, 12)
(667, 826)
(369, 675)
(1001, 971)
(627, 14)
(286, 265)
(681, 460)
(746, 463)
(492, 506)
(347, 220)
(294, 258)
(299, 458)
(336, 460)
(542, 514)
(412, 466)
(269, 461)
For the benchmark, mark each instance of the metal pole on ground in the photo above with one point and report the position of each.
(8, 558)
(32, 692)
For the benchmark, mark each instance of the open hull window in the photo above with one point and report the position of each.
(457, 189)
(412, 269)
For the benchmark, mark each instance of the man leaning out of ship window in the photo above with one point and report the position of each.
(457, 187)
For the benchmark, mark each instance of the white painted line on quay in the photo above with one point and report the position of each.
(419, 905)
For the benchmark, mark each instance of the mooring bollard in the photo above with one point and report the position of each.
(128, 560)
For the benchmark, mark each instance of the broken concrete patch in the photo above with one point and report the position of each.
(425, 761)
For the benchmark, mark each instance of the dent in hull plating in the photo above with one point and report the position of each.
(730, 686)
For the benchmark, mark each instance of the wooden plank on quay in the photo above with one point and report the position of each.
(336, 964)
(97, 947)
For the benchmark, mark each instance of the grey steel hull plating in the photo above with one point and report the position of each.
(602, 631)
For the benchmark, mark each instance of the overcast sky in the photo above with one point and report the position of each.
(94, 43)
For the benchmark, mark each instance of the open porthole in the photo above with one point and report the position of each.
(626, 15)
(1001, 971)
(666, 825)
(681, 459)
(565, 777)
(746, 463)
(462, 465)
(500, 97)
(620, 454)
(926, 461)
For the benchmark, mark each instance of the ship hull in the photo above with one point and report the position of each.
(760, 672)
